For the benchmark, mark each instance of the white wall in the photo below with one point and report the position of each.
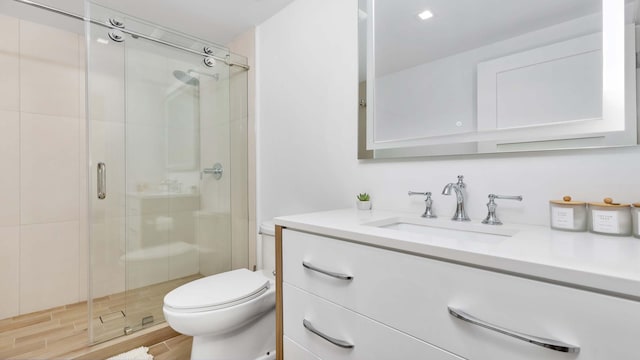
(307, 110)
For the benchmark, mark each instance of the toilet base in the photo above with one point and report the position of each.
(247, 342)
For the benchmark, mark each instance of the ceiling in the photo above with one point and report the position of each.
(218, 21)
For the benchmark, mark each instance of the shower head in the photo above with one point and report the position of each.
(186, 78)
(189, 78)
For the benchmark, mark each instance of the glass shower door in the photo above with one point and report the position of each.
(160, 154)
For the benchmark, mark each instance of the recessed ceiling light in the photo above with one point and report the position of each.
(425, 15)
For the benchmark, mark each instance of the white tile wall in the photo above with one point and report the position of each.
(82, 86)
(83, 201)
(246, 44)
(106, 67)
(49, 70)
(214, 145)
(9, 64)
(214, 148)
(10, 165)
(41, 139)
(145, 152)
(239, 197)
(9, 287)
(49, 168)
(48, 265)
(108, 267)
(214, 242)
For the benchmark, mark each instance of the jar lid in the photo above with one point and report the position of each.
(608, 202)
(566, 200)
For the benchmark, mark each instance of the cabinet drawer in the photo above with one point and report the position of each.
(370, 340)
(294, 351)
(413, 293)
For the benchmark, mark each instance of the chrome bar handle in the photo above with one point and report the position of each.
(336, 275)
(506, 197)
(102, 181)
(341, 343)
(546, 343)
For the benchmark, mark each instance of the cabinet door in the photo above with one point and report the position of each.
(361, 338)
(413, 294)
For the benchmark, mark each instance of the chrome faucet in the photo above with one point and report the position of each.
(427, 202)
(492, 218)
(461, 214)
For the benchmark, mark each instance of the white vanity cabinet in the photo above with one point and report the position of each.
(384, 299)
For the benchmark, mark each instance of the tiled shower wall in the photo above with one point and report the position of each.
(42, 184)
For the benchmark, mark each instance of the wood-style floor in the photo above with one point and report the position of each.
(62, 332)
(176, 348)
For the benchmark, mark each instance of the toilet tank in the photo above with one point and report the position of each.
(267, 247)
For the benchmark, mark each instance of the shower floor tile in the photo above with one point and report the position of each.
(52, 333)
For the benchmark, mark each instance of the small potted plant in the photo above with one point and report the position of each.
(364, 201)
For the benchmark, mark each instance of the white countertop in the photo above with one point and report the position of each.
(608, 264)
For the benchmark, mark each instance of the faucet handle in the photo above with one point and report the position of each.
(492, 218)
(426, 193)
(428, 202)
(461, 183)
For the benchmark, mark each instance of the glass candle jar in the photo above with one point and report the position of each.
(635, 219)
(568, 215)
(610, 218)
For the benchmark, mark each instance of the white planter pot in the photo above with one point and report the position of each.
(363, 205)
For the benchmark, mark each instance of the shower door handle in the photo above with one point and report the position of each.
(102, 181)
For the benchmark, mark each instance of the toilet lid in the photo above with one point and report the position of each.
(217, 291)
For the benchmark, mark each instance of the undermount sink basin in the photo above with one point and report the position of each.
(442, 227)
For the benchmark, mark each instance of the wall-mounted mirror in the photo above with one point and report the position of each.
(442, 77)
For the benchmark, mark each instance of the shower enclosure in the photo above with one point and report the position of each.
(167, 165)
(162, 127)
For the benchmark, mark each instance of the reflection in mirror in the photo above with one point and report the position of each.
(182, 111)
(496, 75)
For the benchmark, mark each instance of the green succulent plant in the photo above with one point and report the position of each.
(363, 197)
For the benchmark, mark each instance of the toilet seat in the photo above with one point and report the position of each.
(217, 292)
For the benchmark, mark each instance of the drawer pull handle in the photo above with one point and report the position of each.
(326, 272)
(341, 343)
(546, 343)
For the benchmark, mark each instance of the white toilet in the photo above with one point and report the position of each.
(231, 315)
